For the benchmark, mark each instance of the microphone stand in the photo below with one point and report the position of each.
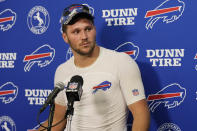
(69, 114)
(51, 114)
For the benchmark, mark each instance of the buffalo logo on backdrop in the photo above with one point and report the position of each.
(102, 86)
(8, 92)
(165, 57)
(120, 17)
(169, 11)
(35, 128)
(7, 60)
(195, 59)
(42, 56)
(172, 96)
(129, 48)
(196, 95)
(7, 124)
(168, 127)
(38, 20)
(37, 96)
(2, 0)
(69, 53)
(7, 19)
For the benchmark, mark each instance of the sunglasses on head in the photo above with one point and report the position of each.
(72, 10)
(76, 7)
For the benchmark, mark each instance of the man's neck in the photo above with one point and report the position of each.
(85, 61)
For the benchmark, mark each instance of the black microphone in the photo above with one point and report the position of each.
(74, 90)
(58, 87)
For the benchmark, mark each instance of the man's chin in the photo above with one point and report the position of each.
(86, 52)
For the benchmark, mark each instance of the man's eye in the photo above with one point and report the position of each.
(88, 29)
(76, 32)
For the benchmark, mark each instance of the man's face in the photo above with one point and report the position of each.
(81, 37)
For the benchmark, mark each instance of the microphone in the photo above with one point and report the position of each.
(58, 87)
(74, 90)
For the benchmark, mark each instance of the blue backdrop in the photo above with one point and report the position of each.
(158, 34)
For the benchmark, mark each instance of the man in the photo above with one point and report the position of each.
(112, 82)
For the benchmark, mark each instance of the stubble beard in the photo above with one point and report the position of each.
(80, 52)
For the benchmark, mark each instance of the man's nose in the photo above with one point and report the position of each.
(84, 35)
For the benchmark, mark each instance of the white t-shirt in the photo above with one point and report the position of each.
(111, 83)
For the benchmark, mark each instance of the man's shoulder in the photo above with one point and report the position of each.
(66, 65)
(109, 51)
(114, 53)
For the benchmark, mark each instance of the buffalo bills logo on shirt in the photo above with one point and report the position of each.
(168, 11)
(8, 92)
(103, 86)
(129, 48)
(7, 19)
(43, 56)
(172, 96)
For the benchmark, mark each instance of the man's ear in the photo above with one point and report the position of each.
(65, 37)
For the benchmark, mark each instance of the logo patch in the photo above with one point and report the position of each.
(38, 20)
(103, 86)
(172, 96)
(73, 85)
(8, 92)
(7, 19)
(169, 11)
(7, 123)
(135, 92)
(43, 56)
(129, 48)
